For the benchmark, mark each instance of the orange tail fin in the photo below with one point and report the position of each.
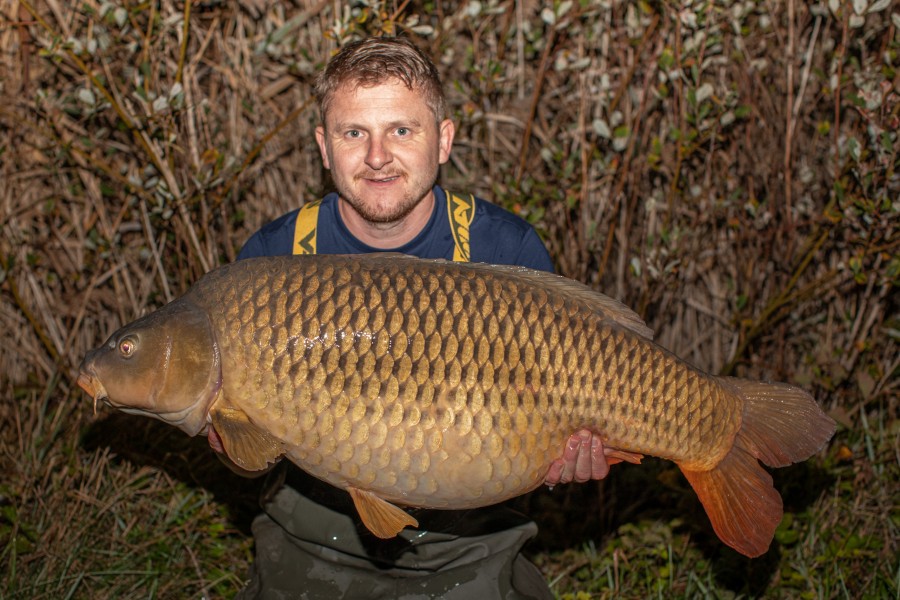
(781, 425)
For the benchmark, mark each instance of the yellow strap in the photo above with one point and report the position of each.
(461, 212)
(305, 228)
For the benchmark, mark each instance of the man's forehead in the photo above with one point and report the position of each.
(392, 96)
(360, 86)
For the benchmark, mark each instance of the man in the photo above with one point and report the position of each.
(383, 135)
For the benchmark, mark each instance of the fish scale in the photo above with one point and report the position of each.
(446, 385)
(380, 365)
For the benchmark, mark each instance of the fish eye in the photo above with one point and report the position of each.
(127, 346)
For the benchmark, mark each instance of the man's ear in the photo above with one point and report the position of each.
(323, 150)
(446, 131)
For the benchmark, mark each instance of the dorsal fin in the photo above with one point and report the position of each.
(599, 302)
(557, 284)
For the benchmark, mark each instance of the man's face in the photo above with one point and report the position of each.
(383, 148)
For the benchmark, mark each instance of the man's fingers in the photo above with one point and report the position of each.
(562, 470)
(584, 458)
(555, 472)
(215, 442)
(583, 462)
(579, 469)
(599, 464)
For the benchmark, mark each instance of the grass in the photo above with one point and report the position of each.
(82, 519)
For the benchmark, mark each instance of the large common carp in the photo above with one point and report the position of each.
(445, 385)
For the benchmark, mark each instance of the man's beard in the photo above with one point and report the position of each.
(380, 214)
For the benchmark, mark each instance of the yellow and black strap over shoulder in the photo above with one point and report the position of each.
(460, 210)
(305, 228)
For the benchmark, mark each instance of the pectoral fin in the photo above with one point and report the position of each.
(248, 446)
(380, 516)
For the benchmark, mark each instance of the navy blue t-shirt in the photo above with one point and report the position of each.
(497, 236)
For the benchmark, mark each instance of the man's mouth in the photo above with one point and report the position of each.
(379, 178)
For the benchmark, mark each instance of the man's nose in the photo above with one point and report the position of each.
(379, 154)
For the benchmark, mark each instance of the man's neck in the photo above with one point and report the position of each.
(387, 236)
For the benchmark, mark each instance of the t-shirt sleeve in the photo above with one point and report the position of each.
(501, 237)
(273, 239)
(252, 248)
(533, 253)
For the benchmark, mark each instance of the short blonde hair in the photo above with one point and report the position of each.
(377, 60)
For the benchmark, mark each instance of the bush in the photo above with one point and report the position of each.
(728, 169)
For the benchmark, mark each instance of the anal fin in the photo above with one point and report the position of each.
(380, 516)
(614, 456)
(248, 446)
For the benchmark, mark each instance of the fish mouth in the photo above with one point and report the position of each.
(90, 384)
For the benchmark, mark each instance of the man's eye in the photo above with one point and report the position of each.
(354, 133)
(403, 131)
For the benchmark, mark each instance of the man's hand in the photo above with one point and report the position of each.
(583, 459)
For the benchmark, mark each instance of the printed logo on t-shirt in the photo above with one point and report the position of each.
(461, 211)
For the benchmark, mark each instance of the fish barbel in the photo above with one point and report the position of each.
(438, 384)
